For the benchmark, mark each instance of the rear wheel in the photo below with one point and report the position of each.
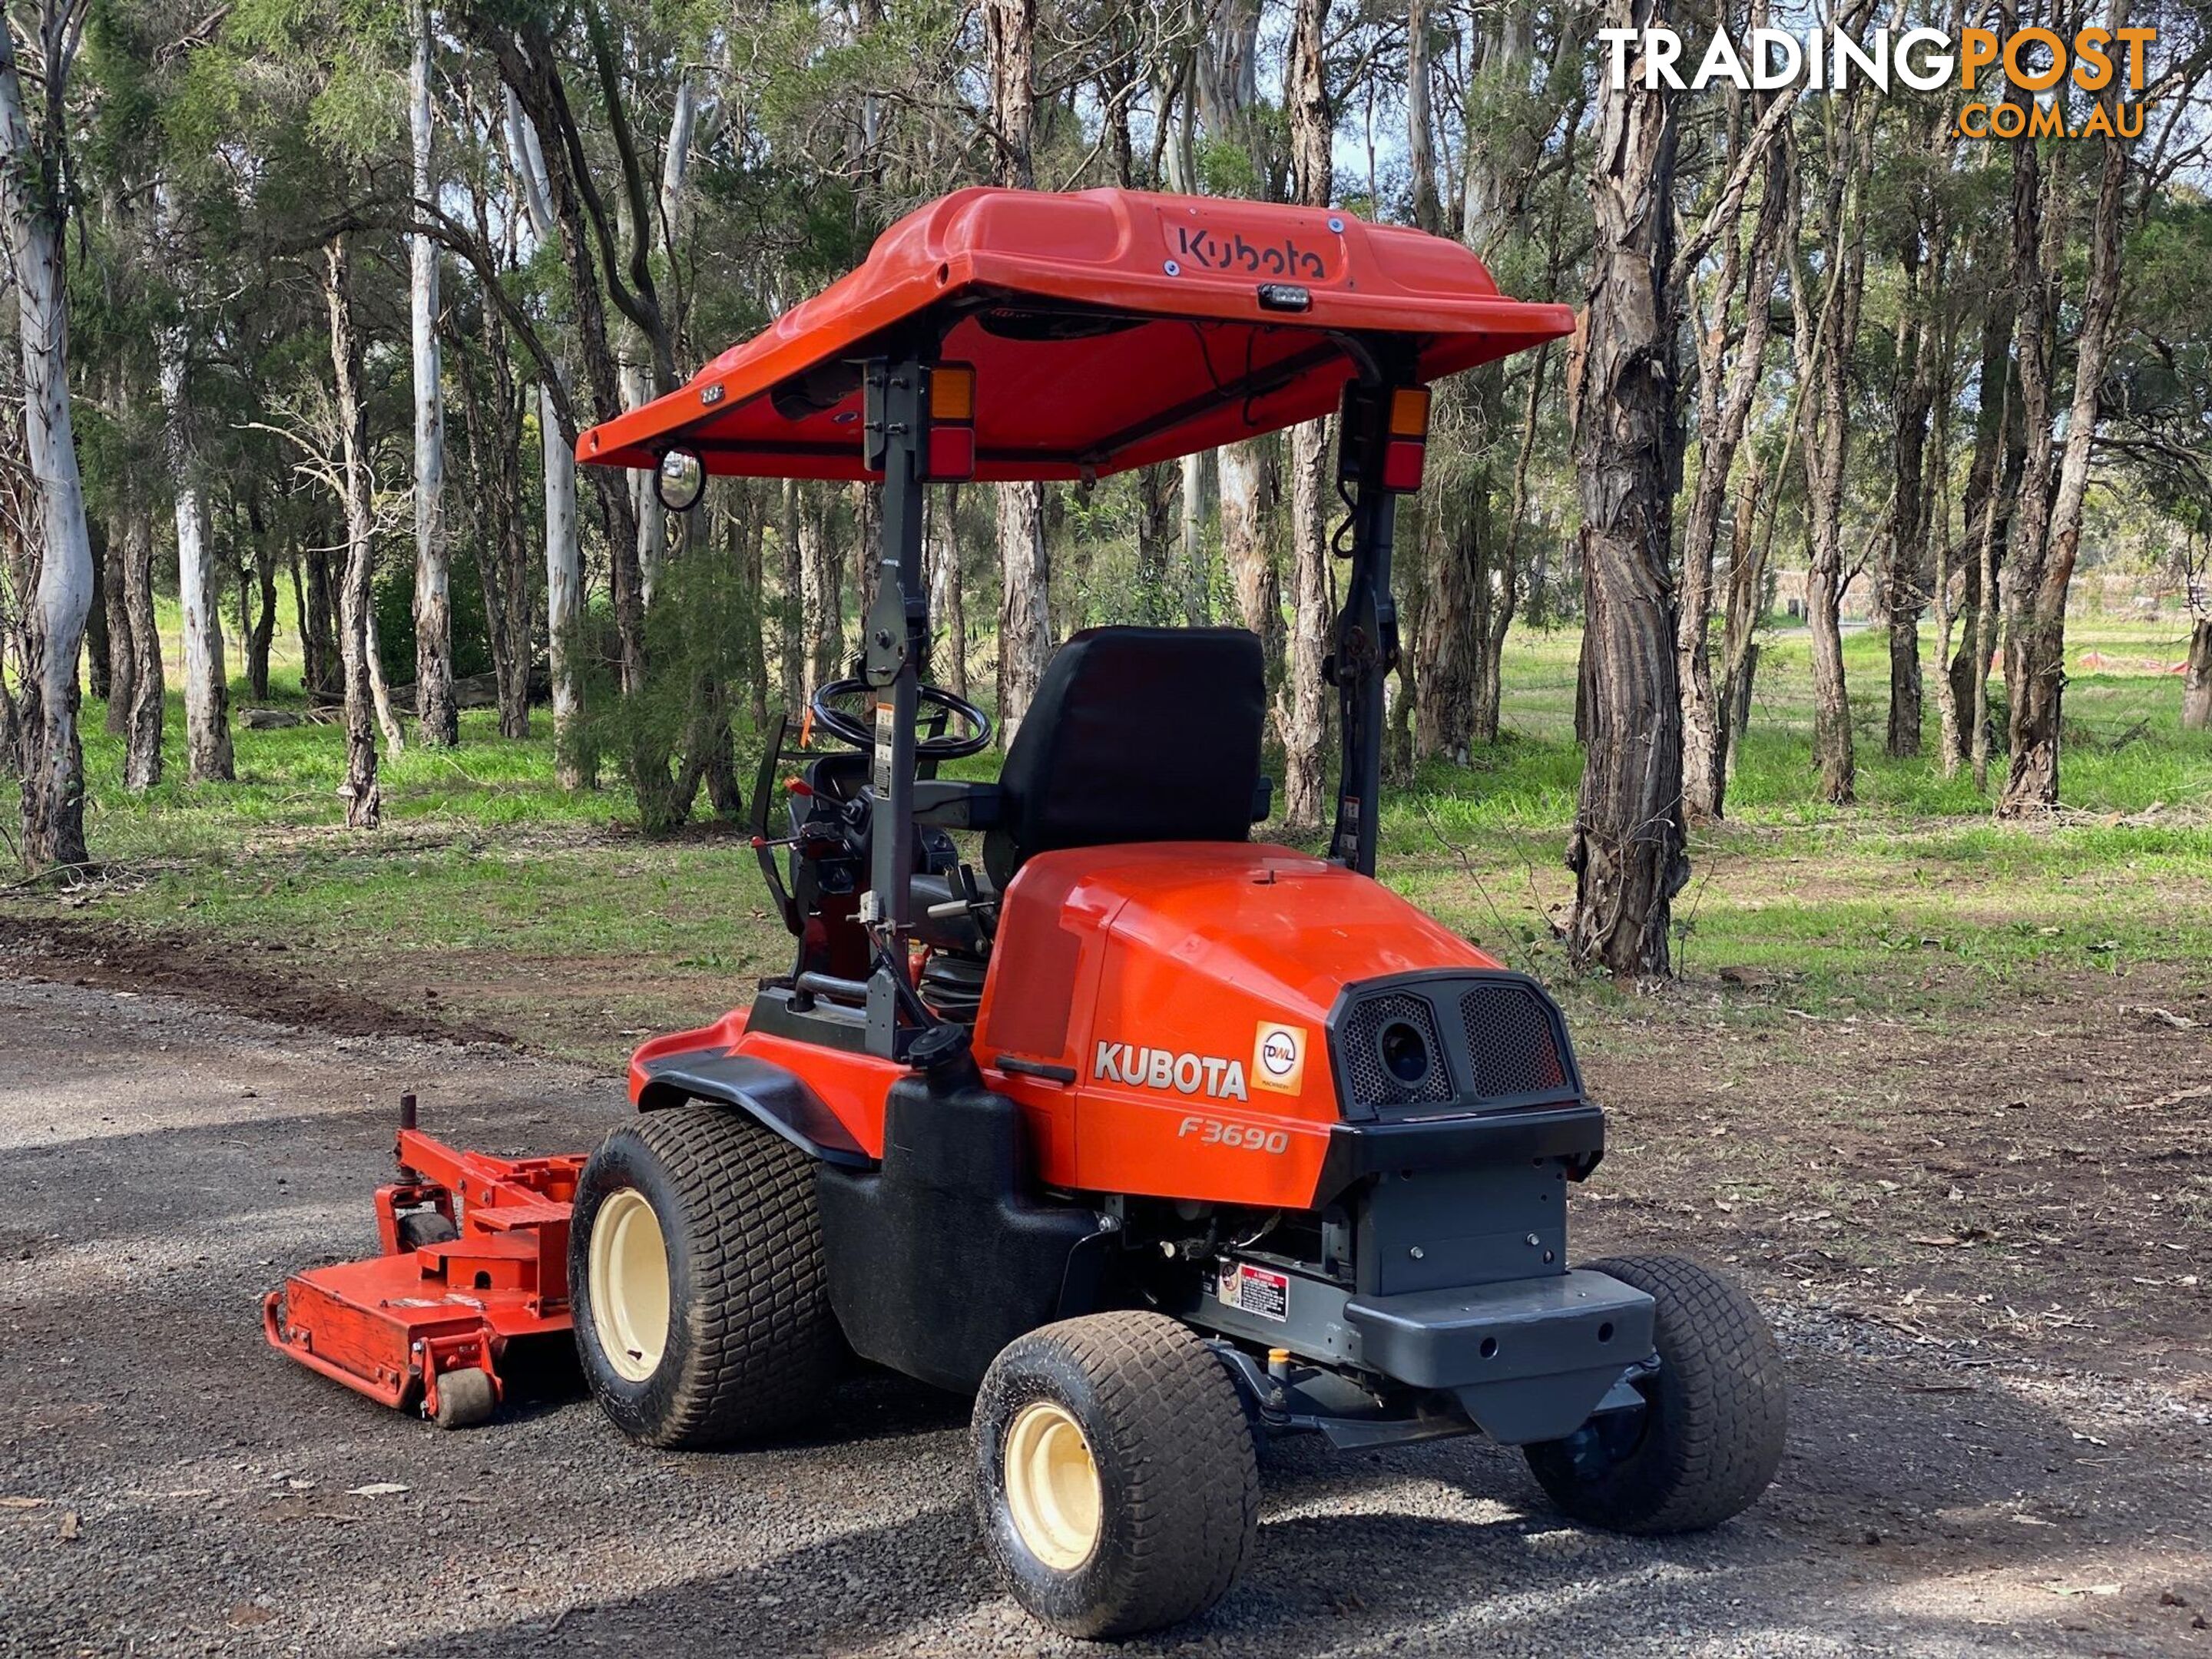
(696, 1282)
(1115, 1474)
(1715, 1419)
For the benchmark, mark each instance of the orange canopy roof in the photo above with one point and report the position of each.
(1109, 329)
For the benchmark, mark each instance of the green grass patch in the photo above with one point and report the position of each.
(1913, 900)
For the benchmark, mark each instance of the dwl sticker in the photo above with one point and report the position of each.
(1279, 1058)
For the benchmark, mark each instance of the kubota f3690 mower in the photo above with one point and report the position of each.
(1154, 1137)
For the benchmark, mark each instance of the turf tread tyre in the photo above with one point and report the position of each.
(752, 1343)
(1720, 1418)
(1177, 1468)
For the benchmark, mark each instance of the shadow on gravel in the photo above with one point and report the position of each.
(860, 1588)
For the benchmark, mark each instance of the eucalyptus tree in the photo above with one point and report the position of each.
(1626, 847)
(33, 167)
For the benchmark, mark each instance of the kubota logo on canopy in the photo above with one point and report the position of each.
(1162, 1068)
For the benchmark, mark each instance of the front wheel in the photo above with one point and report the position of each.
(1115, 1474)
(1715, 1419)
(697, 1280)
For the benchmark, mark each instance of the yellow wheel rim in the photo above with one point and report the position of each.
(628, 1265)
(1051, 1486)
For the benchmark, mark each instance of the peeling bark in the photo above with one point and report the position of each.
(1627, 846)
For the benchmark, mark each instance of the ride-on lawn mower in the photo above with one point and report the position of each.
(1155, 1138)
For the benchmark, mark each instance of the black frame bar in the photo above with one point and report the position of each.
(896, 648)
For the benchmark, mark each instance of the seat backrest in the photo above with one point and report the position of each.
(1134, 735)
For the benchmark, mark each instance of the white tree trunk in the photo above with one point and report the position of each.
(434, 611)
(356, 607)
(564, 589)
(53, 778)
(199, 587)
(676, 159)
(564, 558)
(652, 516)
(1301, 705)
(1245, 506)
(1025, 603)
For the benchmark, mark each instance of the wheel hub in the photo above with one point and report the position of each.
(629, 1266)
(1052, 1485)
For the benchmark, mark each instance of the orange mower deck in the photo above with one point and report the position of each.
(426, 1326)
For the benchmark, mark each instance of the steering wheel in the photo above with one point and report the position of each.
(858, 728)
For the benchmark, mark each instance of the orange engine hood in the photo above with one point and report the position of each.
(1208, 967)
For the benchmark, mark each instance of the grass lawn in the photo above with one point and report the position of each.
(513, 905)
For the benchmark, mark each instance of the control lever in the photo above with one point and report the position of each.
(971, 898)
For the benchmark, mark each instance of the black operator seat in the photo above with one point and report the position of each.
(1135, 734)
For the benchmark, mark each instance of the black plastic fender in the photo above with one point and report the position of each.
(778, 1099)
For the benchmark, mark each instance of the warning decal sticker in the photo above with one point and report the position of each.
(1256, 1291)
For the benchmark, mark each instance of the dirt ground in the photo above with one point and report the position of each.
(1985, 1254)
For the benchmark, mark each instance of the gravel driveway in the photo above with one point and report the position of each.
(167, 1485)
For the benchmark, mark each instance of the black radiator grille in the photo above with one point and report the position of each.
(1372, 1085)
(1510, 1042)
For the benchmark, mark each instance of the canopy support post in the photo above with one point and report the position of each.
(1367, 627)
(895, 654)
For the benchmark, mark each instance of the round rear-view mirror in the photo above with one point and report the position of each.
(681, 480)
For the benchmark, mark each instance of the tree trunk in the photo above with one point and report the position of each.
(1197, 576)
(749, 531)
(1156, 514)
(1744, 611)
(53, 631)
(1247, 502)
(948, 600)
(1025, 593)
(1301, 711)
(364, 800)
(98, 668)
(261, 634)
(1302, 701)
(564, 567)
(558, 165)
(821, 621)
(564, 598)
(1992, 475)
(121, 644)
(1025, 603)
(2035, 661)
(1904, 583)
(1725, 404)
(438, 718)
(325, 674)
(1446, 640)
(142, 755)
(199, 587)
(791, 634)
(2196, 679)
(1822, 354)
(1627, 846)
(503, 556)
